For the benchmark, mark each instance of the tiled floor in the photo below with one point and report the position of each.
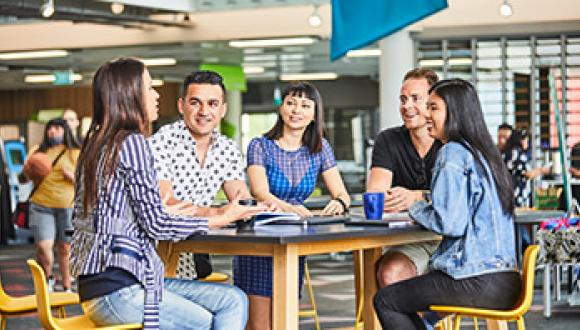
(332, 280)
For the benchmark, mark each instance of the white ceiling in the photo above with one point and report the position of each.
(215, 22)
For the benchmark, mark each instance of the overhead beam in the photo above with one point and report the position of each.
(269, 22)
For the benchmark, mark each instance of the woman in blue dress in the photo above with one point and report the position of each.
(283, 166)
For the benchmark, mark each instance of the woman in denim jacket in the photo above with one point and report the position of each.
(472, 208)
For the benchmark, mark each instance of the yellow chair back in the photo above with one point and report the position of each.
(41, 290)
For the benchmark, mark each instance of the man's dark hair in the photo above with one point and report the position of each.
(505, 126)
(419, 73)
(203, 77)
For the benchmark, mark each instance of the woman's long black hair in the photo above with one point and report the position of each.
(312, 137)
(465, 125)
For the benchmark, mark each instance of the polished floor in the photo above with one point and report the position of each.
(332, 280)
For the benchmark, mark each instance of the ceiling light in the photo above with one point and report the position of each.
(292, 57)
(117, 8)
(33, 54)
(272, 42)
(315, 20)
(506, 9)
(364, 53)
(159, 61)
(253, 69)
(157, 82)
(47, 78)
(253, 51)
(309, 76)
(47, 8)
(259, 58)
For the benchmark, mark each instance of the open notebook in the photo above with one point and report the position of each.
(281, 218)
(269, 217)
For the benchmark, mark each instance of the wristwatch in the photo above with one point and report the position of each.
(344, 207)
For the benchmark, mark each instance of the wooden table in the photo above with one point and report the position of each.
(286, 242)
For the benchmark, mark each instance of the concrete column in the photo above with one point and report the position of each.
(234, 113)
(396, 59)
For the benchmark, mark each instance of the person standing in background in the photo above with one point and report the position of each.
(52, 198)
(71, 118)
(503, 134)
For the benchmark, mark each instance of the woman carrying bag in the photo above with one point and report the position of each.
(52, 197)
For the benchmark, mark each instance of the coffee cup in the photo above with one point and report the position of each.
(374, 203)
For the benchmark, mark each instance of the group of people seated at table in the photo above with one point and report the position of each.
(133, 189)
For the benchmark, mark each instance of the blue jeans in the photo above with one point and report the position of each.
(186, 304)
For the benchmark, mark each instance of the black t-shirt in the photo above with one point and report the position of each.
(394, 151)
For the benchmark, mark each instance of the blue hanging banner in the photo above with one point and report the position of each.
(356, 24)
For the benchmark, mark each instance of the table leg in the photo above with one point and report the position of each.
(357, 259)
(519, 239)
(168, 256)
(496, 325)
(370, 257)
(547, 294)
(285, 288)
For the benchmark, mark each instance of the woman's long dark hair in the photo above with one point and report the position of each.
(312, 137)
(118, 110)
(69, 141)
(465, 125)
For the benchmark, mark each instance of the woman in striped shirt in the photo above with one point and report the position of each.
(118, 216)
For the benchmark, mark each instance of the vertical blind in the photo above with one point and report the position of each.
(511, 77)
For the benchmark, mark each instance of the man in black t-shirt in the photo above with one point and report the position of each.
(401, 168)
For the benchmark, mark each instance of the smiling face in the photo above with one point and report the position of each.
(150, 96)
(413, 102)
(436, 116)
(202, 108)
(297, 112)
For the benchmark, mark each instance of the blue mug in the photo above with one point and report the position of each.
(374, 203)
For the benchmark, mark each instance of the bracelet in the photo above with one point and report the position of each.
(344, 207)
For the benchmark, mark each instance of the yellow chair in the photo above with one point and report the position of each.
(515, 314)
(216, 277)
(55, 323)
(13, 306)
(312, 312)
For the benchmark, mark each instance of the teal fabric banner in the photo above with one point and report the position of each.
(356, 24)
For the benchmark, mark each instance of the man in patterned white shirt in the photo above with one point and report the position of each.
(194, 161)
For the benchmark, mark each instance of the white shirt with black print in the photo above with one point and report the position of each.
(176, 161)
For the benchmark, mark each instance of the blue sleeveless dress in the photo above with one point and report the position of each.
(292, 178)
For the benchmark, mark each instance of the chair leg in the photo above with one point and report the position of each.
(521, 323)
(61, 312)
(475, 324)
(457, 322)
(2, 322)
(313, 311)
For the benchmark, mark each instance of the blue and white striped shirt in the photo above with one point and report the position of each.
(128, 218)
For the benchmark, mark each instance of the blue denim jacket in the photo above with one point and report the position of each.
(478, 237)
